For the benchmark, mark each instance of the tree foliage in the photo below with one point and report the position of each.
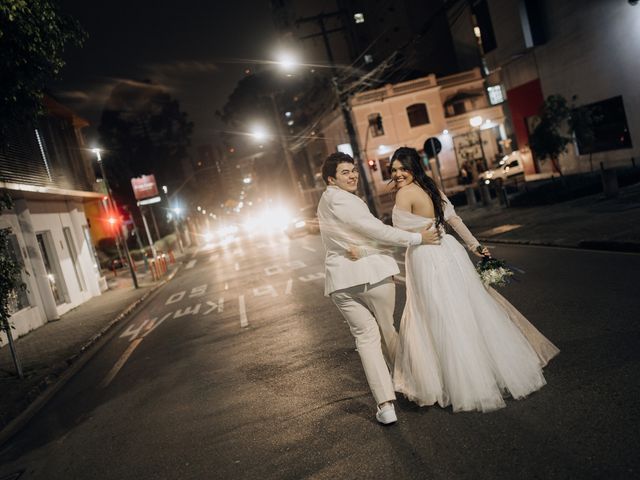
(550, 137)
(558, 121)
(10, 268)
(144, 131)
(33, 37)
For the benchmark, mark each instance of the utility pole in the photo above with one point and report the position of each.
(285, 150)
(343, 97)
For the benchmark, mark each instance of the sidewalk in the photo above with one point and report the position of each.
(49, 351)
(589, 222)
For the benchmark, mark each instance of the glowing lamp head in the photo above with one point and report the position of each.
(475, 121)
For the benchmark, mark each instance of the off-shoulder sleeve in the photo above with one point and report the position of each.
(452, 218)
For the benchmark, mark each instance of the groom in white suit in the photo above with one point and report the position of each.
(363, 289)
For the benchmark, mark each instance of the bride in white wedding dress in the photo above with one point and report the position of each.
(461, 344)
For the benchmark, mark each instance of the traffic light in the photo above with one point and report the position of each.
(373, 165)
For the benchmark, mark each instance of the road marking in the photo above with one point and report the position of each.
(266, 290)
(215, 306)
(120, 363)
(311, 276)
(226, 286)
(237, 267)
(243, 312)
(189, 310)
(176, 297)
(133, 332)
(287, 290)
(309, 248)
(190, 264)
(273, 270)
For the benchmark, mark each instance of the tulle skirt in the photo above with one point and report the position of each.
(462, 344)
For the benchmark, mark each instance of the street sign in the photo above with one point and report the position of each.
(432, 147)
(150, 201)
(144, 187)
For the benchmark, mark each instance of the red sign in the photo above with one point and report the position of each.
(144, 186)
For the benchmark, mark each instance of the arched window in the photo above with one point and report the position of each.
(417, 114)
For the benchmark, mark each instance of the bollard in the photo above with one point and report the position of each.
(485, 195)
(172, 259)
(471, 196)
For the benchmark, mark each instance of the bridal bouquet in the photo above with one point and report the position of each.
(493, 272)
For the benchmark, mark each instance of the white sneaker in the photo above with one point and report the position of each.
(386, 415)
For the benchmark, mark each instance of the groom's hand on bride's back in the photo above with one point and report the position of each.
(430, 236)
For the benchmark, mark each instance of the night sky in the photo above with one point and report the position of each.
(197, 49)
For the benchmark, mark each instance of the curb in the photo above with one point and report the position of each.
(66, 369)
(600, 245)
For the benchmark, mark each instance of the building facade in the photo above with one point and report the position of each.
(410, 113)
(586, 51)
(50, 178)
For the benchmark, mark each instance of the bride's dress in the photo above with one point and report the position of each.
(461, 344)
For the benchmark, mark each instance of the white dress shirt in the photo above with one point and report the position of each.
(345, 221)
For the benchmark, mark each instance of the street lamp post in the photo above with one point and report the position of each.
(112, 206)
(173, 218)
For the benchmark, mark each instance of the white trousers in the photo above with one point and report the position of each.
(368, 309)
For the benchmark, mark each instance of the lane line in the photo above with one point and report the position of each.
(121, 361)
(309, 248)
(243, 312)
(190, 264)
(287, 290)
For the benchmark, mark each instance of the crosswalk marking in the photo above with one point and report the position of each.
(244, 322)
(190, 264)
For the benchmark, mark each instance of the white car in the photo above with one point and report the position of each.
(509, 166)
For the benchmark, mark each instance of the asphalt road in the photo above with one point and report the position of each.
(239, 368)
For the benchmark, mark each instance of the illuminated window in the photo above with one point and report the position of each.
(358, 17)
(496, 95)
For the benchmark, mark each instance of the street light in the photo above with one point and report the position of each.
(113, 208)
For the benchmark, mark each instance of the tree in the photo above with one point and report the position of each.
(143, 131)
(10, 281)
(558, 122)
(550, 139)
(33, 37)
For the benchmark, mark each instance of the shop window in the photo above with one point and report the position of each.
(609, 126)
(418, 114)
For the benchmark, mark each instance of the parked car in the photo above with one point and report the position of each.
(306, 221)
(508, 167)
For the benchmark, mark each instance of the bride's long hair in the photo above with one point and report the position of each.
(411, 161)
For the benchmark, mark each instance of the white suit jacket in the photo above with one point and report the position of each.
(345, 220)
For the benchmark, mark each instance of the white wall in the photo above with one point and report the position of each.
(53, 216)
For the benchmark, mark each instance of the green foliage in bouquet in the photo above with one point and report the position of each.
(493, 272)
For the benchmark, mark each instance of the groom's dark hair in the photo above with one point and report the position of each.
(330, 164)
